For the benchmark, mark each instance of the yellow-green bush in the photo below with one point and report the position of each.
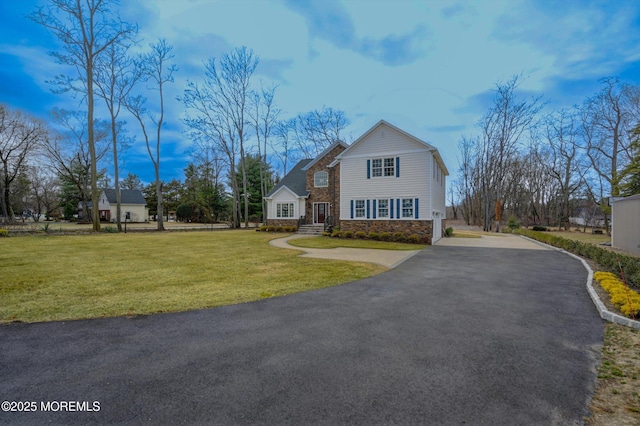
(627, 300)
(4, 232)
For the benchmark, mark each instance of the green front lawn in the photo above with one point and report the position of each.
(86, 276)
(329, 243)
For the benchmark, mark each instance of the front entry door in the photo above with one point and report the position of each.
(321, 211)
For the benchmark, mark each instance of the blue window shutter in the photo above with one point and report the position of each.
(391, 208)
(351, 209)
(368, 205)
(368, 169)
(415, 208)
(374, 209)
(397, 166)
(398, 209)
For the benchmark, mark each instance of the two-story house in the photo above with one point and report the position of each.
(386, 181)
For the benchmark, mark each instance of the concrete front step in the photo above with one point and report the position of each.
(311, 229)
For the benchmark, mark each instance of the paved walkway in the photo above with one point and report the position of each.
(388, 258)
(490, 241)
(452, 336)
(392, 258)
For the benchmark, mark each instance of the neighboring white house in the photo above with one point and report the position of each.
(386, 181)
(132, 202)
(625, 223)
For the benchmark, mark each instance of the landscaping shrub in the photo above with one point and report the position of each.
(336, 233)
(277, 228)
(386, 236)
(110, 229)
(4, 232)
(627, 300)
(347, 234)
(413, 239)
(513, 223)
(398, 237)
(361, 234)
(448, 232)
(326, 234)
(374, 236)
(608, 260)
(539, 228)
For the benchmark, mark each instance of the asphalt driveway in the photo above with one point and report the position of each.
(455, 335)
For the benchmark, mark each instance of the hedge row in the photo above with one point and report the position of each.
(277, 228)
(399, 237)
(627, 300)
(607, 259)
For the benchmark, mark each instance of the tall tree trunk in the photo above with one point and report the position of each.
(116, 176)
(95, 217)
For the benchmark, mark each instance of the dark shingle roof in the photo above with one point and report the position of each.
(127, 196)
(295, 180)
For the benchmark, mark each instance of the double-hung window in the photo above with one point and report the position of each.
(383, 208)
(407, 207)
(383, 167)
(284, 210)
(360, 209)
(376, 167)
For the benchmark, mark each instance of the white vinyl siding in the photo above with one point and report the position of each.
(284, 196)
(415, 180)
(438, 192)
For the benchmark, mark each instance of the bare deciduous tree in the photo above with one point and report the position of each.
(155, 68)
(220, 105)
(264, 117)
(86, 29)
(608, 119)
(115, 78)
(561, 133)
(20, 137)
(502, 128)
(68, 151)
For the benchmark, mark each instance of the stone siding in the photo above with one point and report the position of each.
(329, 194)
(421, 228)
(282, 222)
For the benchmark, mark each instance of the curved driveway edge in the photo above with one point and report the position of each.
(605, 314)
(454, 335)
(388, 258)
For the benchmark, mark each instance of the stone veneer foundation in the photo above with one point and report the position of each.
(282, 222)
(421, 228)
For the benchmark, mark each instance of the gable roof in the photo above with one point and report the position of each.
(629, 198)
(295, 180)
(127, 196)
(325, 152)
(381, 123)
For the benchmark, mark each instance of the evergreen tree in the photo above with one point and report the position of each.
(630, 175)
(253, 184)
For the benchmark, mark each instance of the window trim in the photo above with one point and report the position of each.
(357, 209)
(279, 210)
(379, 209)
(315, 179)
(388, 167)
(406, 210)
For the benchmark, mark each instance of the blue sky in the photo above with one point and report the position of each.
(428, 67)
